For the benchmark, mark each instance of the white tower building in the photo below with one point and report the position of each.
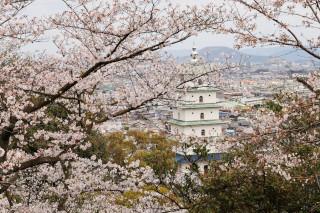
(197, 115)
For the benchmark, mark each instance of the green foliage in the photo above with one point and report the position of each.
(129, 198)
(56, 110)
(273, 106)
(150, 149)
(248, 189)
(225, 188)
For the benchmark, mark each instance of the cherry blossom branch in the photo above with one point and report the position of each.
(51, 95)
(27, 3)
(97, 67)
(295, 43)
(313, 11)
(170, 199)
(308, 86)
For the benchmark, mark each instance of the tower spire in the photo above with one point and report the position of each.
(194, 54)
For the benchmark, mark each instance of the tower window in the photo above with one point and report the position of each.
(201, 99)
(203, 132)
(205, 169)
(201, 115)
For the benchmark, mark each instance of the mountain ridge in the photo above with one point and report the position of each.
(252, 55)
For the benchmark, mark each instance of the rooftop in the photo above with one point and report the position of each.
(200, 106)
(196, 123)
(202, 89)
(231, 104)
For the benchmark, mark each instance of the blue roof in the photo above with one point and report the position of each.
(193, 158)
(224, 113)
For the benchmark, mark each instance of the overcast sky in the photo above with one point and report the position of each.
(45, 7)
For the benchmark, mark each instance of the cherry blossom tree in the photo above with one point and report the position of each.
(50, 104)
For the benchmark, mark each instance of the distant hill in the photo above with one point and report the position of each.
(221, 53)
(252, 55)
(287, 53)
